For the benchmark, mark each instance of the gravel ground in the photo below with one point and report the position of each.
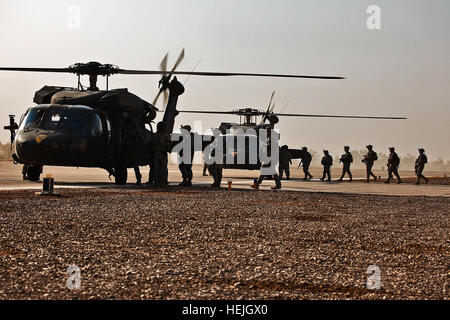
(204, 244)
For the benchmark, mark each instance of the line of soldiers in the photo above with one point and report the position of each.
(161, 146)
(369, 160)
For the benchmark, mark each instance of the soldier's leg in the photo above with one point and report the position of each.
(329, 173)
(309, 174)
(277, 181)
(324, 174)
(305, 171)
(214, 170)
(219, 175)
(288, 173)
(183, 174)
(397, 175)
(349, 173)
(151, 173)
(180, 167)
(156, 171)
(420, 174)
(372, 174)
(165, 170)
(344, 170)
(280, 171)
(390, 170)
(138, 174)
(190, 175)
(260, 179)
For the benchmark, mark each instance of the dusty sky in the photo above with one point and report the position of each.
(402, 69)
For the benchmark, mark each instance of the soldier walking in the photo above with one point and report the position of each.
(138, 175)
(216, 171)
(420, 165)
(369, 160)
(347, 160)
(306, 162)
(327, 162)
(160, 147)
(186, 167)
(261, 178)
(205, 168)
(393, 165)
(285, 162)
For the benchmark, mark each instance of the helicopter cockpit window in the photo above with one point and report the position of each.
(96, 128)
(32, 116)
(76, 121)
(52, 119)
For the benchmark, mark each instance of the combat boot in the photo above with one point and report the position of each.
(255, 186)
(276, 187)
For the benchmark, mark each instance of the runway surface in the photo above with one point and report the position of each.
(66, 177)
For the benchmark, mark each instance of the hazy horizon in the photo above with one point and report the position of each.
(401, 70)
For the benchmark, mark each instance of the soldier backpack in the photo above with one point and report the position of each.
(375, 156)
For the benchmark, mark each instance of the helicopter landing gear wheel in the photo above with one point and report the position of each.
(33, 172)
(121, 176)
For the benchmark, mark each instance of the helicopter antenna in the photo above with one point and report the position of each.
(192, 71)
(284, 107)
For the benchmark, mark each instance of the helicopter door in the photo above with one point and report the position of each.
(97, 136)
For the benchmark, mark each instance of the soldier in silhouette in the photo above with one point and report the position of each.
(327, 162)
(306, 162)
(285, 162)
(369, 159)
(421, 161)
(160, 147)
(393, 165)
(186, 167)
(347, 160)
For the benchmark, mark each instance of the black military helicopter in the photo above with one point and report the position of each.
(268, 119)
(89, 127)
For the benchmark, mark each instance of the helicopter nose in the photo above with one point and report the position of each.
(40, 146)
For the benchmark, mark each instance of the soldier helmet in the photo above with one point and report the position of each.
(305, 148)
(369, 146)
(187, 128)
(392, 149)
(421, 150)
(325, 151)
(346, 148)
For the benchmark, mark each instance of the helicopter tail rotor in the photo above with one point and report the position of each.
(269, 109)
(165, 80)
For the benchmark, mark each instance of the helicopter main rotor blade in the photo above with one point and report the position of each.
(298, 115)
(163, 65)
(163, 72)
(60, 70)
(156, 98)
(336, 116)
(225, 74)
(210, 112)
(268, 109)
(180, 58)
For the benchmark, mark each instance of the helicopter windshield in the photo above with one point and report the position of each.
(74, 120)
(33, 116)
